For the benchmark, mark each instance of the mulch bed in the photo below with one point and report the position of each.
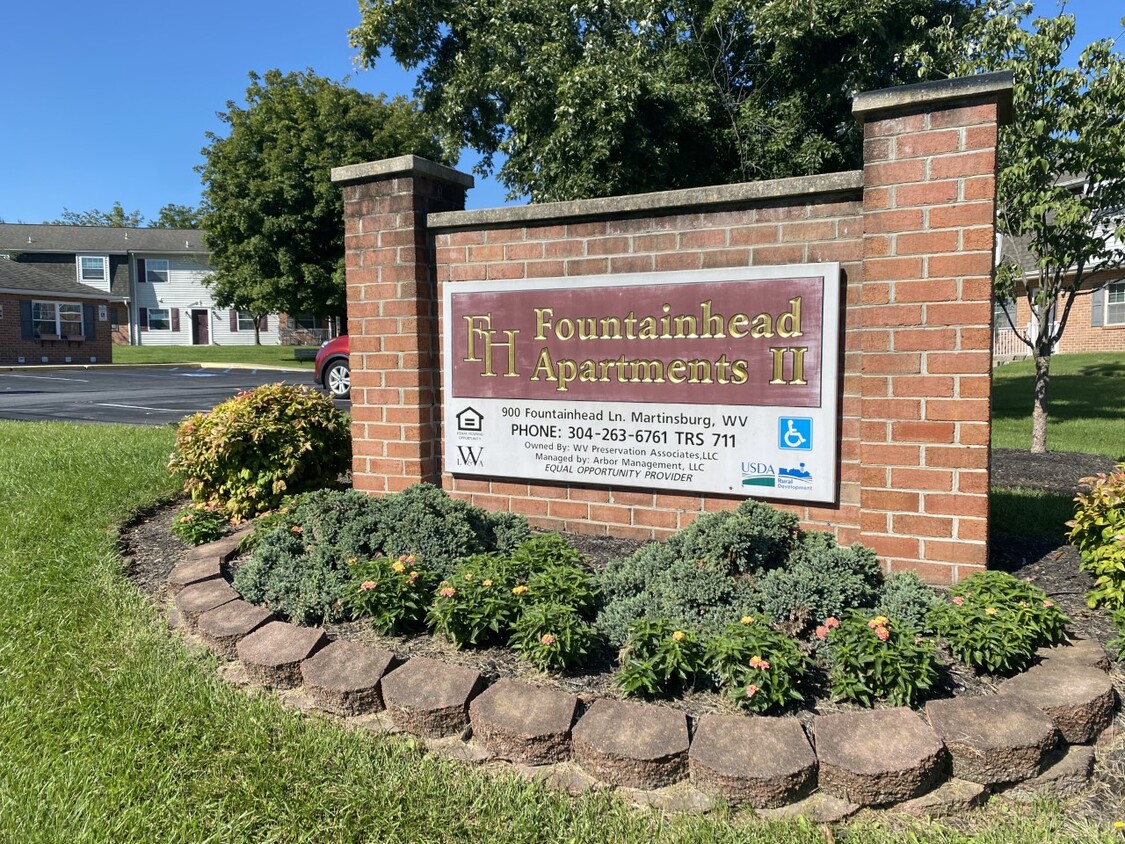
(151, 551)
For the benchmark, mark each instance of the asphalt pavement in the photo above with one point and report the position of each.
(142, 395)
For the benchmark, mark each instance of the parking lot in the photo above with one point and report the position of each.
(131, 395)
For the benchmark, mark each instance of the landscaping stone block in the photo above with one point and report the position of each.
(565, 776)
(948, 798)
(193, 570)
(273, 654)
(765, 762)
(430, 698)
(224, 550)
(344, 677)
(222, 628)
(1067, 772)
(1077, 698)
(993, 739)
(199, 598)
(877, 757)
(635, 745)
(1088, 652)
(524, 723)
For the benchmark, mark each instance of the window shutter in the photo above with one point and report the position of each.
(1097, 301)
(142, 318)
(142, 271)
(175, 319)
(27, 330)
(233, 320)
(89, 321)
(264, 324)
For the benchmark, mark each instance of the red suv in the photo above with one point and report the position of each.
(332, 371)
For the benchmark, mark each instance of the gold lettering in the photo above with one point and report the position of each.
(737, 326)
(789, 324)
(762, 327)
(543, 322)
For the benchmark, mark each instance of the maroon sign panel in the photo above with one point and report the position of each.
(730, 342)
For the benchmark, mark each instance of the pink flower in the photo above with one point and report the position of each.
(547, 639)
(958, 600)
(757, 662)
(751, 690)
(1048, 604)
(822, 632)
(883, 633)
(448, 592)
(368, 585)
(831, 622)
(297, 529)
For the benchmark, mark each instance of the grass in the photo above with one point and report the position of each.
(1019, 511)
(1086, 396)
(113, 730)
(254, 355)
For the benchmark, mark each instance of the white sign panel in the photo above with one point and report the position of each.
(721, 381)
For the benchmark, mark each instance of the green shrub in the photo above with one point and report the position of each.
(198, 523)
(568, 584)
(423, 520)
(759, 668)
(478, 604)
(1098, 531)
(543, 551)
(250, 451)
(995, 622)
(908, 599)
(753, 537)
(660, 659)
(552, 637)
(877, 658)
(821, 579)
(282, 575)
(268, 522)
(394, 594)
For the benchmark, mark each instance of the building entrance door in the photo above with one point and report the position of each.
(200, 328)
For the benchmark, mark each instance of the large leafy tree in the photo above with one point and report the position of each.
(603, 97)
(175, 216)
(1061, 186)
(274, 218)
(116, 217)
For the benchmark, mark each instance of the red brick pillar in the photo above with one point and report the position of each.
(393, 316)
(929, 208)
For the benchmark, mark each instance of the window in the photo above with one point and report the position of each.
(92, 268)
(156, 270)
(1115, 303)
(246, 321)
(159, 319)
(1001, 310)
(62, 319)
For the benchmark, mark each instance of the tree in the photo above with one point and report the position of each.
(274, 218)
(1061, 184)
(173, 216)
(117, 218)
(596, 98)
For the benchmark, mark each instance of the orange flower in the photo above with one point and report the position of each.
(757, 662)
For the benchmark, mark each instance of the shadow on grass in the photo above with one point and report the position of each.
(1089, 391)
(1031, 513)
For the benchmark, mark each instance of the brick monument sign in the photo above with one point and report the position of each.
(619, 366)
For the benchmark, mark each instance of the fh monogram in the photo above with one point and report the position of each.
(482, 345)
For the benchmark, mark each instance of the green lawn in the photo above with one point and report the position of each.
(114, 731)
(254, 355)
(1086, 410)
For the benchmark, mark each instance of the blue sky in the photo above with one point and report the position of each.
(110, 101)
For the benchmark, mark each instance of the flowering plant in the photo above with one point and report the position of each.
(660, 659)
(478, 604)
(198, 523)
(552, 637)
(995, 622)
(758, 667)
(877, 658)
(1098, 531)
(393, 593)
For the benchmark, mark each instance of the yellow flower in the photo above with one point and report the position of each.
(486, 582)
(878, 621)
(990, 610)
(1119, 824)
(678, 636)
(468, 575)
(747, 619)
(519, 590)
(398, 567)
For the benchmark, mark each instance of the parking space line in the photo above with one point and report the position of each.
(45, 377)
(142, 407)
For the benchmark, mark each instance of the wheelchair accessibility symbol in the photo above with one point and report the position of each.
(794, 433)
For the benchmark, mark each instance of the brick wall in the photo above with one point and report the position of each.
(913, 232)
(1080, 334)
(13, 346)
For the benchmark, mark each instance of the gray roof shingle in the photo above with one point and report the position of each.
(26, 237)
(20, 278)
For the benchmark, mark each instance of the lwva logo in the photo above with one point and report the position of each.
(468, 455)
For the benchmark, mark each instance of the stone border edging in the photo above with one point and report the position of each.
(1035, 736)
